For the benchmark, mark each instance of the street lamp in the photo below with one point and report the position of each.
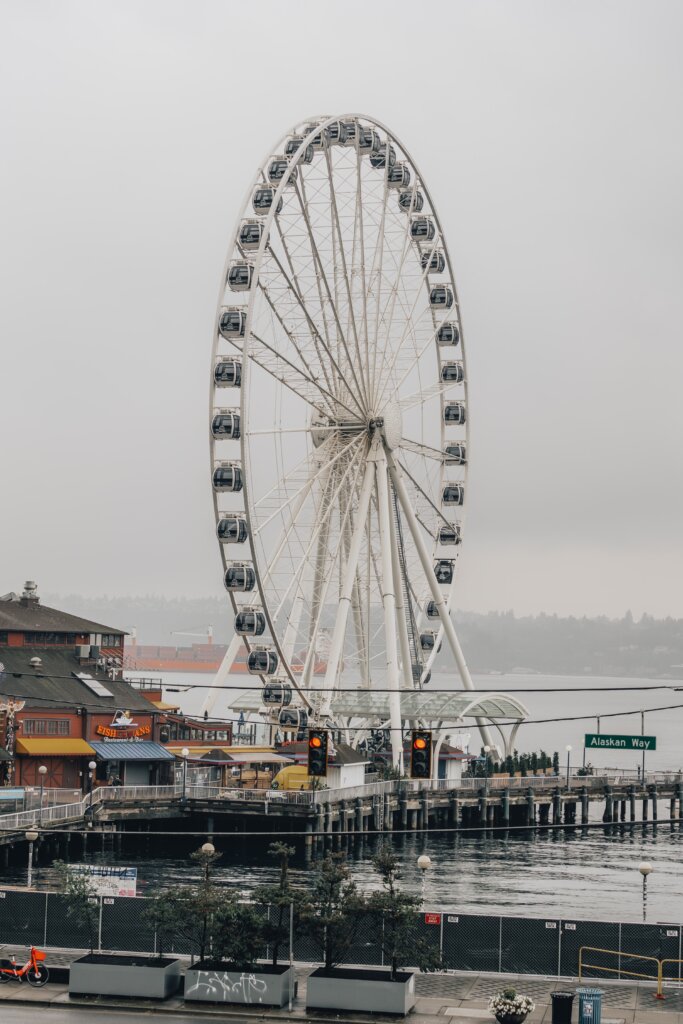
(208, 849)
(645, 868)
(31, 836)
(185, 754)
(424, 863)
(92, 765)
(569, 750)
(42, 771)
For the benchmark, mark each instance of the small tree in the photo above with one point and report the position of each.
(283, 901)
(188, 912)
(401, 942)
(81, 896)
(238, 934)
(556, 763)
(334, 915)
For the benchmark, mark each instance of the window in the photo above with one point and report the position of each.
(111, 640)
(3, 636)
(45, 639)
(47, 727)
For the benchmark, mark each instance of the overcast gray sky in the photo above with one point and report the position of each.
(549, 134)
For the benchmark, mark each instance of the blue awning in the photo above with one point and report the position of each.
(131, 750)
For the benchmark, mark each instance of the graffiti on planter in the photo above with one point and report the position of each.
(227, 987)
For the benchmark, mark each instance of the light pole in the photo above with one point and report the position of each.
(208, 849)
(645, 868)
(185, 753)
(42, 771)
(31, 836)
(424, 863)
(569, 750)
(92, 765)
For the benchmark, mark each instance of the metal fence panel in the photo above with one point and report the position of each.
(471, 942)
(530, 945)
(600, 934)
(65, 928)
(367, 948)
(124, 926)
(657, 940)
(22, 917)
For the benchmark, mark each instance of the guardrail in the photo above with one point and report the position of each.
(620, 970)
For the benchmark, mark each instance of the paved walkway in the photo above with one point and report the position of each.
(442, 999)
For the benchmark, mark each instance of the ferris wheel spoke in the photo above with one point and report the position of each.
(322, 522)
(305, 488)
(315, 333)
(391, 304)
(423, 493)
(336, 229)
(300, 192)
(423, 449)
(376, 271)
(295, 380)
(355, 269)
(405, 335)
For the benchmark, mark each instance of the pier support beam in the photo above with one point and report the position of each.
(607, 814)
(632, 802)
(505, 807)
(585, 806)
(530, 808)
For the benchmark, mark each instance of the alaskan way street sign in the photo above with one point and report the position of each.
(595, 741)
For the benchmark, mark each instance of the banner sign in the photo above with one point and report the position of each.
(599, 741)
(109, 881)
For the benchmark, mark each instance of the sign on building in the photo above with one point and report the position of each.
(109, 881)
(598, 741)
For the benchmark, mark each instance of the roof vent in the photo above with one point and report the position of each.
(36, 662)
(30, 594)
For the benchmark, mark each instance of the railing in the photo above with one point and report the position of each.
(621, 970)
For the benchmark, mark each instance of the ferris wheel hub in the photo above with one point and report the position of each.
(390, 423)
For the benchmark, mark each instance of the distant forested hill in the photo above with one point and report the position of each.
(496, 642)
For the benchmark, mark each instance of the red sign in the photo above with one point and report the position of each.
(123, 734)
(432, 918)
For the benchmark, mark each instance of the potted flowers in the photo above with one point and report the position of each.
(510, 1008)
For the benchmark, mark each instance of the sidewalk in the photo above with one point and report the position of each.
(441, 999)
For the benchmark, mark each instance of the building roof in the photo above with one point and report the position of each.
(57, 686)
(419, 704)
(69, 746)
(131, 750)
(19, 613)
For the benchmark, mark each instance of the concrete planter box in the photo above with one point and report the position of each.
(213, 981)
(363, 991)
(104, 974)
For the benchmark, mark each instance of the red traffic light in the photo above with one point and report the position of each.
(315, 742)
(419, 743)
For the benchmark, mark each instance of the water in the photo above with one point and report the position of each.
(584, 873)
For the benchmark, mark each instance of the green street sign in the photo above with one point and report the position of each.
(599, 741)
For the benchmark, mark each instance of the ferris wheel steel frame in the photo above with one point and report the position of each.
(379, 482)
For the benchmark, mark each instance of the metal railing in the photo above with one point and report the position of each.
(619, 970)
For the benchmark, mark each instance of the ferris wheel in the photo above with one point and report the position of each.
(339, 424)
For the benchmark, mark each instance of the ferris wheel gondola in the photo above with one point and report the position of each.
(337, 323)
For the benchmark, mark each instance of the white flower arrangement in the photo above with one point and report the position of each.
(508, 1002)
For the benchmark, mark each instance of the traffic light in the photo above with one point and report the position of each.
(317, 753)
(421, 754)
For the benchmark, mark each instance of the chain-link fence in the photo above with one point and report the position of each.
(464, 942)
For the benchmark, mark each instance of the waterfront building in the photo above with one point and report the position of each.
(64, 704)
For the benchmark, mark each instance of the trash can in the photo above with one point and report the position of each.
(590, 1005)
(562, 1007)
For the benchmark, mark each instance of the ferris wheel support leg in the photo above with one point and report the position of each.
(361, 642)
(337, 645)
(221, 676)
(437, 596)
(389, 602)
(406, 661)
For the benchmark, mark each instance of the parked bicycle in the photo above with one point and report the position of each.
(34, 970)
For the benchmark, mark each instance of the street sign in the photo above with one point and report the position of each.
(432, 918)
(599, 741)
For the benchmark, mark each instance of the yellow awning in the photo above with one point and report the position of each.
(54, 747)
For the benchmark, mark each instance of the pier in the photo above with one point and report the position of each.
(324, 817)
